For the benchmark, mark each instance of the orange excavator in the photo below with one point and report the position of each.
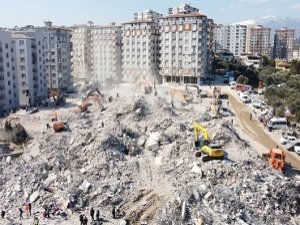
(57, 124)
(95, 96)
(276, 159)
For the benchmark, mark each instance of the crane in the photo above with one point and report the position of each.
(210, 149)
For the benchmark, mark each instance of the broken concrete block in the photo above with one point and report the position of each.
(153, 140)
(34, 196)
(208, 195)
(85, 186)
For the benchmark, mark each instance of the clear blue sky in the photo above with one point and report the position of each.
(70, 12)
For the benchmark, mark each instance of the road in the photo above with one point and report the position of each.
(253, 129)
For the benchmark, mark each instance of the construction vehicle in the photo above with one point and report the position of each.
(58, 126)
(93, 95)
(276, 159)
(183, 97)
(57, 97)
(192, 85)
(204, 145)
(146, 85)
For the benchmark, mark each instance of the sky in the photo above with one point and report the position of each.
(70, 12)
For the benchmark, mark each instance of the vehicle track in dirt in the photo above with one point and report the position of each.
(255, 131)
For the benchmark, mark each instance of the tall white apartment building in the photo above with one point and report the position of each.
(106, 54)
(232, 38)
(221, 37)
(184, 42)
(30, 70)
(237, 39)
(141, 47)
(31, 55)
(8, 80)
(81, 53)
(58, 57)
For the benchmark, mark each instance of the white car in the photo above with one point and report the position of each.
(294, 146)
(257, 104)
(287, 139)
(297, 148)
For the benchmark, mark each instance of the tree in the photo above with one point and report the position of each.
(242, 80)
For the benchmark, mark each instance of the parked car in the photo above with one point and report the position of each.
(297, 148)
(245, 98)
(291, 146)
(257, 104)
(287, 139)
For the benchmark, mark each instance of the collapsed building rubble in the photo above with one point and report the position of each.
(138, 155)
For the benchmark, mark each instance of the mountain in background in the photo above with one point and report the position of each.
(276, 22)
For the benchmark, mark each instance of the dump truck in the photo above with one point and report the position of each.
(204, 145)
(275, 158)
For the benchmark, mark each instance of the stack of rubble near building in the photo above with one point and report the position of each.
(142, 161)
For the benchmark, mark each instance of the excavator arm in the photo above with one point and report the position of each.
(198, 129)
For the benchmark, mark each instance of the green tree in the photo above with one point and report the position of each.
(242, 80)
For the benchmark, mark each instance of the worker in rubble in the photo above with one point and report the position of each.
(29, 208)
(48, 126)
(36, 221)
(2, 214)
(250, 116)
(85, 220)
(20, 213)
(92, 214)
(113, 212)
(97, 215)
(117, 95)
(102, 124)
(81, 219)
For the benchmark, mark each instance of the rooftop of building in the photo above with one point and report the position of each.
(20, 36)
(179, 15)
(139, 21)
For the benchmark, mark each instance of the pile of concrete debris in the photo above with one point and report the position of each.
(137, 155)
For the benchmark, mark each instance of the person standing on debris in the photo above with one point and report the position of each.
(85, 220)
(81, 219)
(2, 214)
(250, 116)
(21, 213)
(36, 221)
(92, 214)
(113, 212)
(97, 215)
(29, 208)
(48, 126)
(102, 124)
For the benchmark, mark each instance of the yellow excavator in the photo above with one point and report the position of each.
(203, 144)
(183, 97)
(147, 86)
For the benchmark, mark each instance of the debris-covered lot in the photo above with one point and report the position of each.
(138, 155)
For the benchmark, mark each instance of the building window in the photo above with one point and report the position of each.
(22, 59)
(23, 83)
(6, 46)
(8, 83)
(21, 42)
(22, 51)
(22, 67)
(8, 73)
(23, 75)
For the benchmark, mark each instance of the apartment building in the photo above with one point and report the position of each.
(184, 42)
(58, 57)
(221, 37)
(106, 54)
(231, 38)
(8, 81)
(260, 41)
(141, 47)
(30, 70)
(283, 44)
(81, 55)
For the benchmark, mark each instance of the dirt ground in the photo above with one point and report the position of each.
(253, 129)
